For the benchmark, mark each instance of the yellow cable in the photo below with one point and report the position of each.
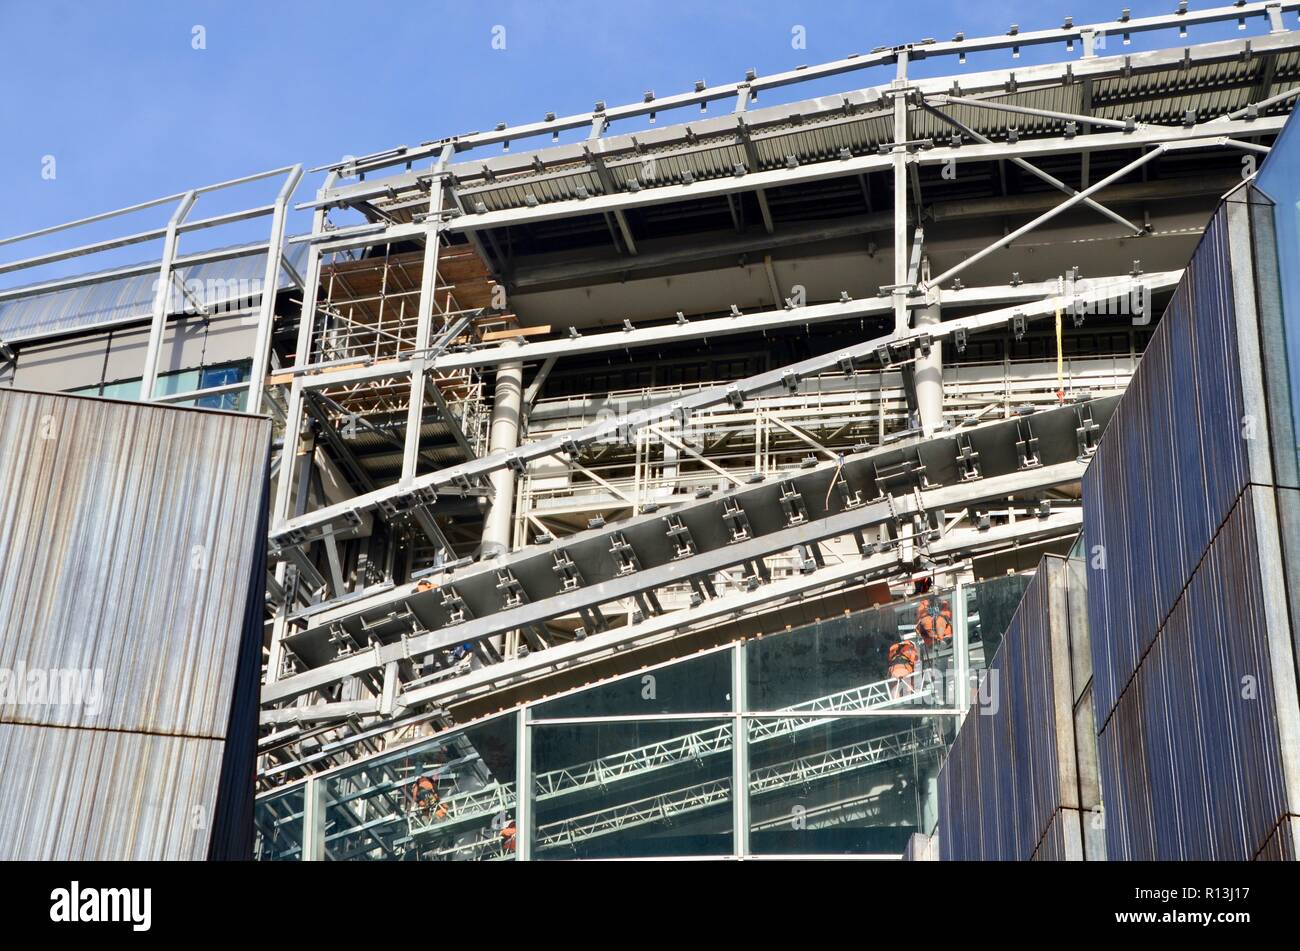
(1060, 360)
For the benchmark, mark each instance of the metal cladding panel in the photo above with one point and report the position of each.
(1195, 528)
(1063, 840)
(1153, 706)
(1191, 753)
(1190, 746)
(128, 534)
(1008, 775)
(1189, 810)
(1239, 597)
(1139, 565)
(1281, 845)
(1170, 567)
(1182, 414)
(87, 795)
(1218, 371)
(131, 575)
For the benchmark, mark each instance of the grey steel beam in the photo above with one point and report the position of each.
(697, 329)
(302, 355)
(424, 321)
(812, 172)
(956, 543)
(1043, 113)
(1034, 170)
(305, 527)
(270, 285)
(1064, 206)
(946, 498)
(162, 295)
(1085, 71)
(587, 573)
(899, 162)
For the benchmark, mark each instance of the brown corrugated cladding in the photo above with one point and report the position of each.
(1186, 622)
(1011, 787)
(131, 548)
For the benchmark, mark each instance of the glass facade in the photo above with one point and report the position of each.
(184, 381)
(845, 723)
(1279, 181)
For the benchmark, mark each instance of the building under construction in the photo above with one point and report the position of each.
(668, 480)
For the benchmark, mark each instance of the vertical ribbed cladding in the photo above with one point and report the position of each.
(126, 545)
(1011, 781)
(1218, 372)
(1153, 708)
(1097, 594)
(1249, 689)
(1189, 805)
(1138, 502)
(232, 821)
(130, 540)
(1212, 711)
(1012, 773)
(1191, 753)
(1168, 469)
(1169, 554)
(1052, 846)
(1185, 430)
(89, 795)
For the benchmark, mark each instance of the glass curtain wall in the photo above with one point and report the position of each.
(844, 724)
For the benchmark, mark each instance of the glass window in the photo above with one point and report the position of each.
(451, 798)
(632, 789)
(183, 381)
(883, 657)
(696, 685)
(277, 825)
(224, 376)
(845, 785)
(990, 605)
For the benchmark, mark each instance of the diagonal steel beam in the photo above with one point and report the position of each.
(1064, 206)
(1033, 170)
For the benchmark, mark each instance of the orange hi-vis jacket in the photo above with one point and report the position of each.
(903, 658)
(934, 623)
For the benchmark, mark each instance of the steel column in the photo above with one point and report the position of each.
(270, 285)
(928, 374)
(158, 327)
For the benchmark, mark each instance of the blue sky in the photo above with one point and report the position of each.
(130, 110)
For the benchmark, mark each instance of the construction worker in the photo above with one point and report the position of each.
(424, 794)
(902, 660)
(934, 623)
(508, 835)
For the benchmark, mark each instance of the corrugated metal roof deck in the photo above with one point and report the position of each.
(817, 130)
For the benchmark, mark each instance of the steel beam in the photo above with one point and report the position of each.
(162, 297)
(812, 524)
(270, 286)
(309, 525)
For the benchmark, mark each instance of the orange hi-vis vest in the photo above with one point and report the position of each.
(424, 793)
(903, 657)
(934, 623)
